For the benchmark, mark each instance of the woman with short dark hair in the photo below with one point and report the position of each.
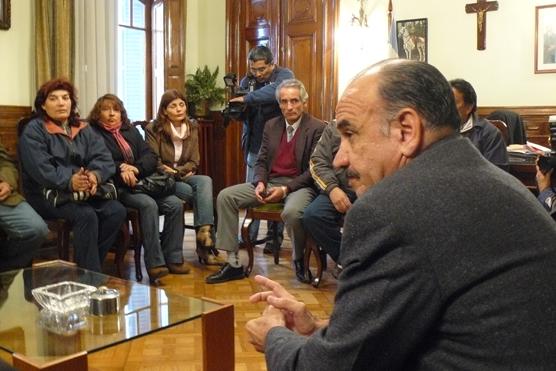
(64, 159)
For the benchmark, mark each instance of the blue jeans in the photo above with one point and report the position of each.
(198, 188)
(95, 225)
(323, 222)
(25, 231)
(160, 248)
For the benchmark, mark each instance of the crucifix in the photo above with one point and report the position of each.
(481, 7)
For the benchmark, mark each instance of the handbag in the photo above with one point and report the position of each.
(156, 185)
(57, 198)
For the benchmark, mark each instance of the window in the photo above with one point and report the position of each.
(138, 72)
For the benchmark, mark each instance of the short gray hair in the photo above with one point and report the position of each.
(293, 83)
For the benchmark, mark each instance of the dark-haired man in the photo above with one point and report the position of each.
(435, 278)
(485, 136)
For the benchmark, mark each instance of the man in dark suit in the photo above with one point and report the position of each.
(448, 260)
(281, 173)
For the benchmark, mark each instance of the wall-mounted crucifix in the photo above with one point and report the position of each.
(481, 7)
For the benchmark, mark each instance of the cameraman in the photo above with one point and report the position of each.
(260, 82)
(261, 105)
(547, 193)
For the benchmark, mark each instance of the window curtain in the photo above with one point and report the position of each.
(53, 40)
(95, 65)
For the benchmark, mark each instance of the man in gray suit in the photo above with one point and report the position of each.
(281, 173)
(448, 260)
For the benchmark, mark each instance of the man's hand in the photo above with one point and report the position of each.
(5, 190)
(340, 200)
(298, 317)
(258, 328)
(543, 180)
(80, 181)
(275, 194)
(260, 192)
(237, 99)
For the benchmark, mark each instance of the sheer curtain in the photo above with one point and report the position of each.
(95, 63)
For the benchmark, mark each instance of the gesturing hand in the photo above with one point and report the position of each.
(298, 318)
(258, 328)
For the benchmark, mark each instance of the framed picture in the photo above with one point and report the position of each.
(545, 39)
(412, 39)
(5, 15)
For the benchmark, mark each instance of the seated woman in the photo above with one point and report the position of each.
(62, 155)
(134, 161)
(175, 139)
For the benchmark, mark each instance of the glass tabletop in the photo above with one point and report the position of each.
(142, 310)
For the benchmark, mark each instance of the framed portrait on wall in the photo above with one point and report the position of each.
(5, 21)
(545, 39)
(412, 39)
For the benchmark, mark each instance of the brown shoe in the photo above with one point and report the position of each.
(156, 273)
(178, 268)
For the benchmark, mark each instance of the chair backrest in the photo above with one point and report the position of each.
(516, 127)
(503, 128)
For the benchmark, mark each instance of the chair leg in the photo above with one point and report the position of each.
(247, 244)
(275, 245)
(137, 249)
(121, 250)
(63, 243)
(311, 247)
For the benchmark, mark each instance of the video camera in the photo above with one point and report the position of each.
(235, 110)
(546, 163)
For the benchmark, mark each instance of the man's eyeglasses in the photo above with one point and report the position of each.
(259, 70)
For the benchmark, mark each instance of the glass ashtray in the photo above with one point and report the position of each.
(64, 297)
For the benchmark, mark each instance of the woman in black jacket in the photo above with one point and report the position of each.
(134, 161)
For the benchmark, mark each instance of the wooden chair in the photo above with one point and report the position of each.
(135, 238)
(503, 128)
(311, 248)
(270, 212)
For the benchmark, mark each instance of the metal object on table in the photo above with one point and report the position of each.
(104, 301)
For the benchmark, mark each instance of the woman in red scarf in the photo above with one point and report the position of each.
(134, 161)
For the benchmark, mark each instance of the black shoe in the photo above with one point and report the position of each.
(226, 273)
(300, 271)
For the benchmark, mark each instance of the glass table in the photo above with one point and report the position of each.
(142, 310)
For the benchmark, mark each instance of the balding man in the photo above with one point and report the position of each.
(434, 278)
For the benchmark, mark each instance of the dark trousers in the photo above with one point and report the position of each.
(324, 223)
(95, 226)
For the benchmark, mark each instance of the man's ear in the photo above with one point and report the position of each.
(411, 132)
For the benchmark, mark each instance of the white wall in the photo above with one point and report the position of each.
(16, 57)
(206, 35)
(503, 74)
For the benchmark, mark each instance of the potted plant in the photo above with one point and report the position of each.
(202, 92)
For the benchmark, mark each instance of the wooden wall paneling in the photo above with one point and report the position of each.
(174, 44)
(9, 116)
(535, 119)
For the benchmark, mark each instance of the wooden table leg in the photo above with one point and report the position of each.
(218, 339)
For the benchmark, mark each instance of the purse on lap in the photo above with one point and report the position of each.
(156, 185)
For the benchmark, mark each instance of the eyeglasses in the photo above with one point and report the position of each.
(259, 70)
